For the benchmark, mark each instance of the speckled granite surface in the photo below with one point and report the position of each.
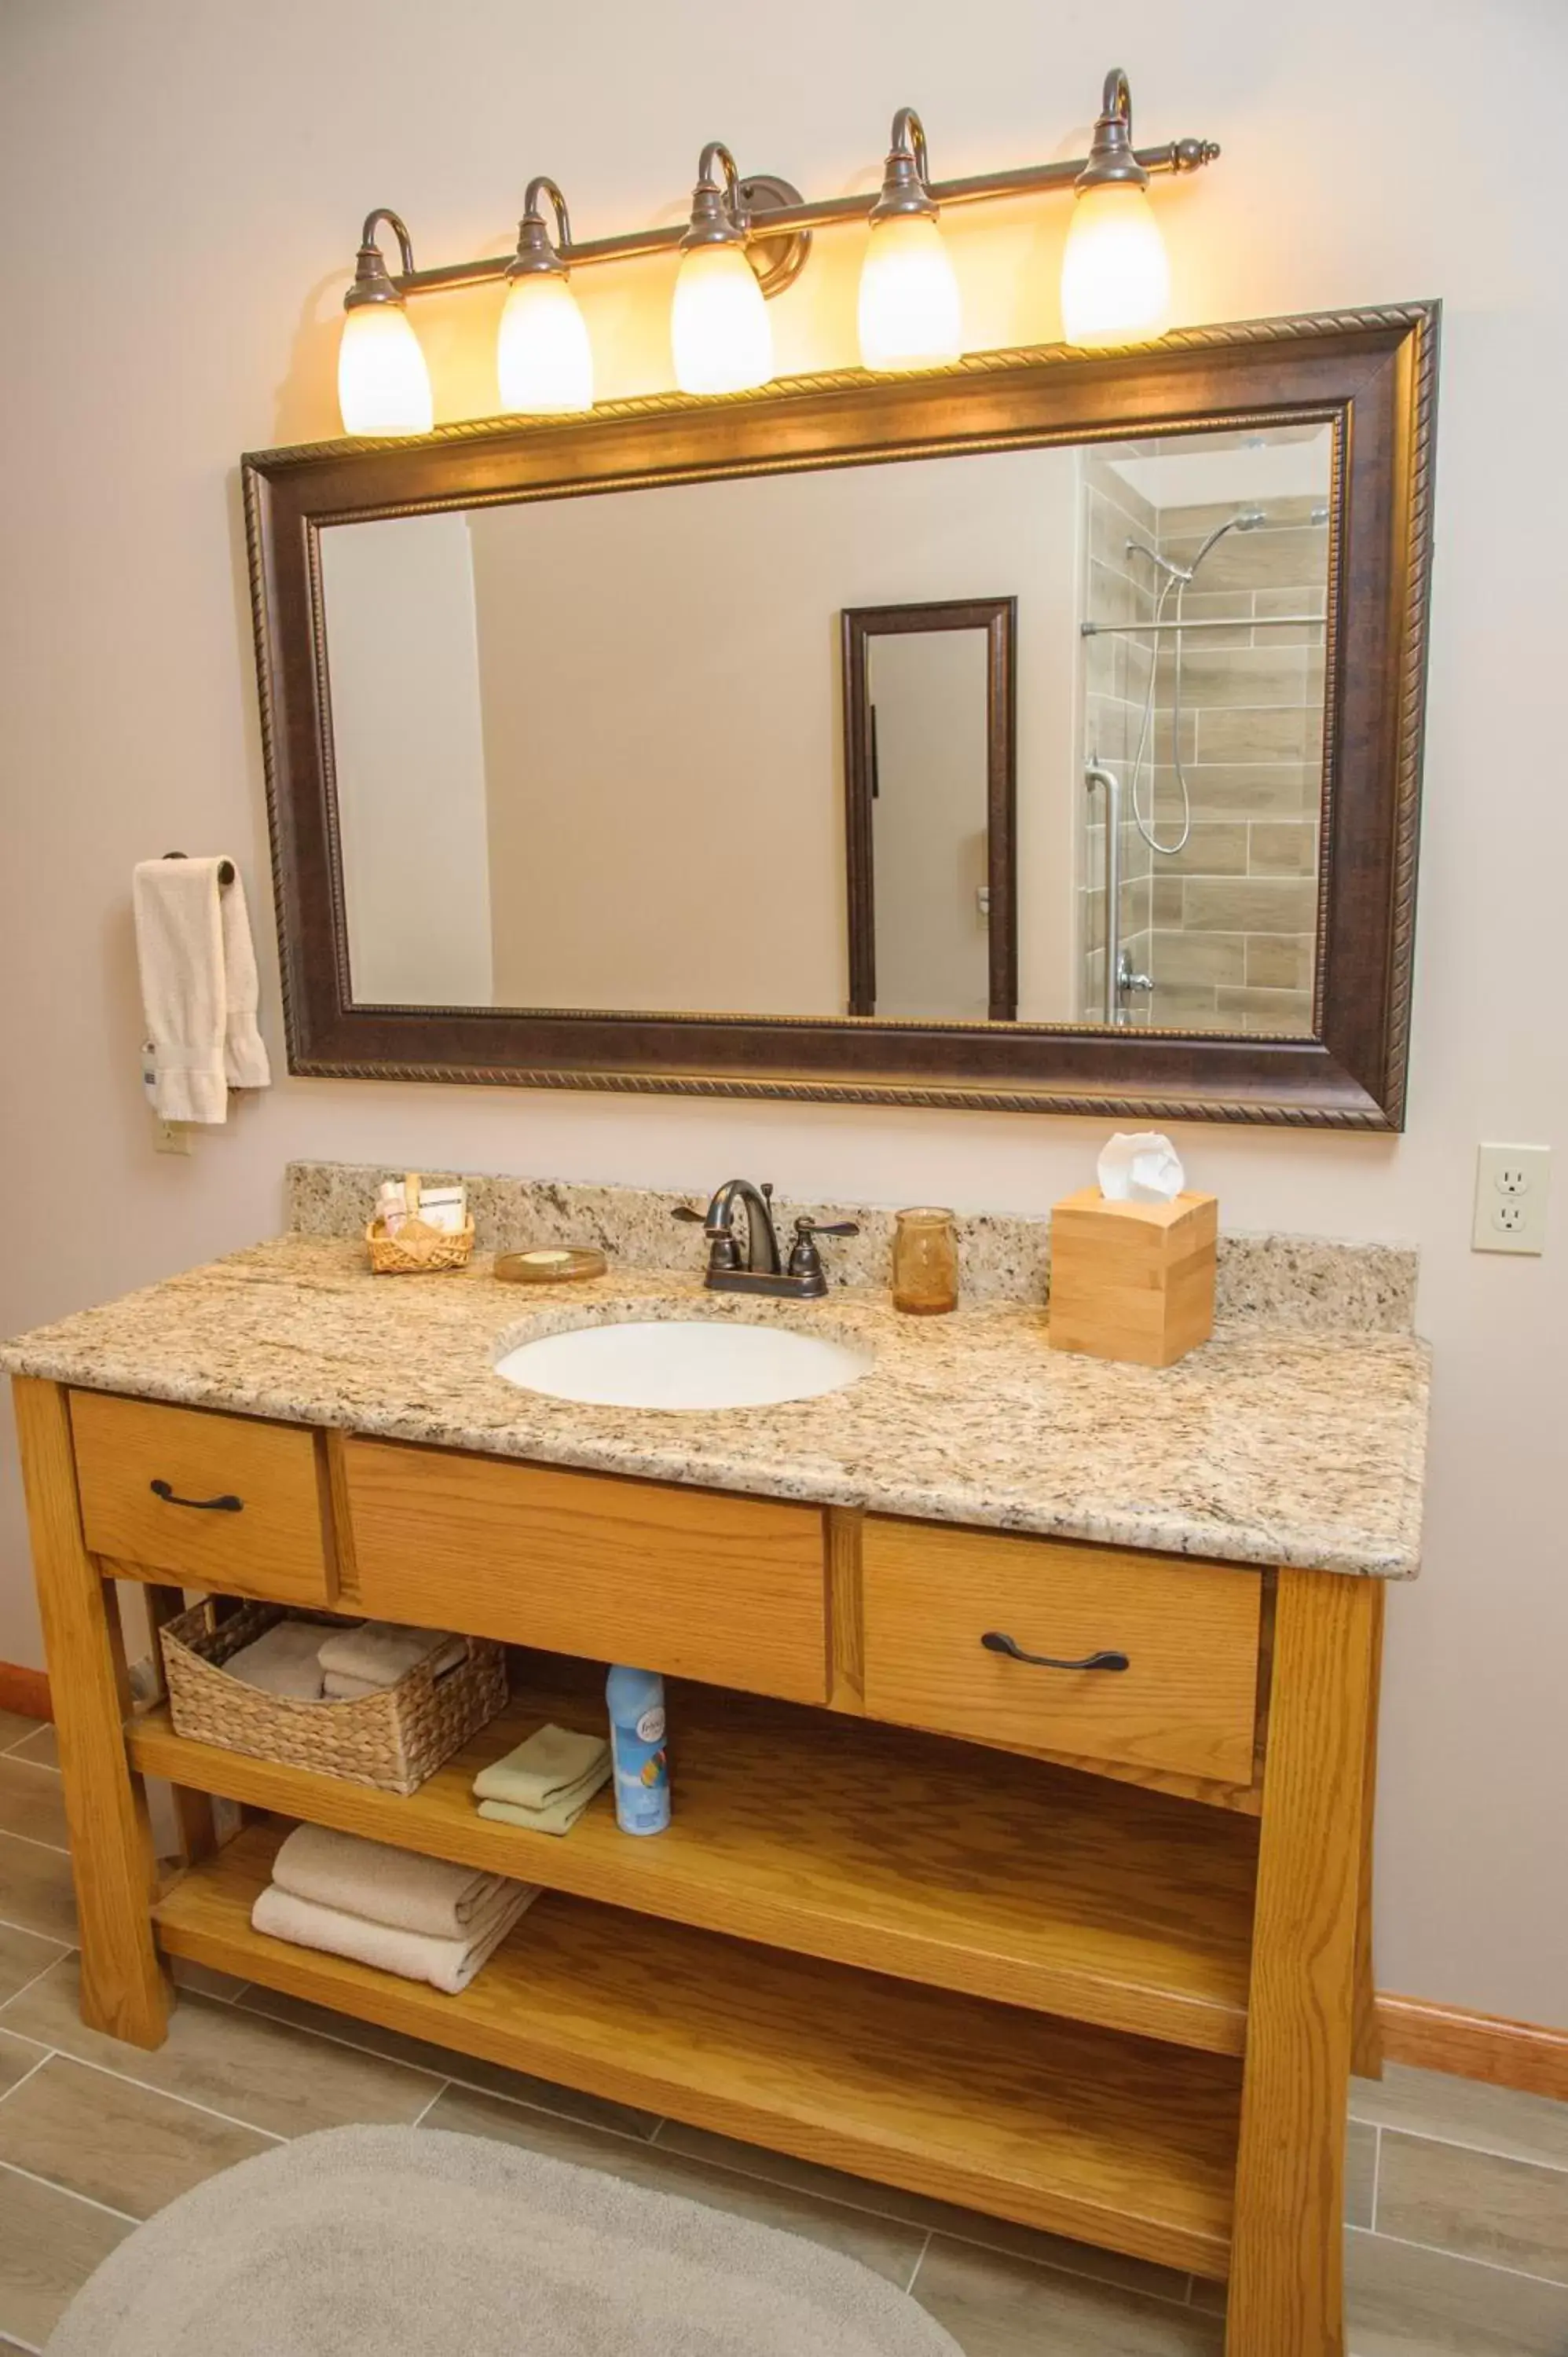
(1291, 1280)
(1268, 1446)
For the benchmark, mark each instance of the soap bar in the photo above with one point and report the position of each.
(550, 1264)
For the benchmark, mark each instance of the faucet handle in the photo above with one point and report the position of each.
(805, 1260)
(684, 1212)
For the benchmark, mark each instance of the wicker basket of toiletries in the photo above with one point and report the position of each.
(403, 1243)
(394, 1738)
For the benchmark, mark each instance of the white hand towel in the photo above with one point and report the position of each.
(282, 1662)
(381, 1652)
(198, 988)
(245, 1064)
(395, 1886)
(448, 1965)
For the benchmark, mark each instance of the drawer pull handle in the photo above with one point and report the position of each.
(996, 1643)
(227, 1504)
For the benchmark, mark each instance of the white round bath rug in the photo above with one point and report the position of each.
(379, 2241)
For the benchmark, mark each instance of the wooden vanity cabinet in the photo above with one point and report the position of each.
(889, 1930)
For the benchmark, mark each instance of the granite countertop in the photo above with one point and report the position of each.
(1271, 1445)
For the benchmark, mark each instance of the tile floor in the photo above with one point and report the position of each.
(1457, 2200)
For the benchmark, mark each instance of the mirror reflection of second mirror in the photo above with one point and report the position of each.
(592, 752)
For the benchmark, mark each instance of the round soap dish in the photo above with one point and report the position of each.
(549, 1265)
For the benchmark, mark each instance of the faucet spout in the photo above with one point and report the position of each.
(762, 1257)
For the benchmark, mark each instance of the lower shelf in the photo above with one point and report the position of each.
(1111, 2139)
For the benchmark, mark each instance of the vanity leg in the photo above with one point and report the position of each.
(1366, 2053)
(123, 1987)
(1287, 2295)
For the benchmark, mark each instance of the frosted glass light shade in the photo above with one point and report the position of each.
(383, 385)
(543, 355)
(910, 316)
(719, 327)
(1116, 282)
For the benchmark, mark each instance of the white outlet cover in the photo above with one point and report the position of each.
(1512, 1184)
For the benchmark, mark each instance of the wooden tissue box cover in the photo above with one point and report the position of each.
(1133, 1280)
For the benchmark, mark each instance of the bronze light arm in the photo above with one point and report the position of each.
(772, 213)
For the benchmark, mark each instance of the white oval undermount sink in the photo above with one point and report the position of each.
(684, 1362)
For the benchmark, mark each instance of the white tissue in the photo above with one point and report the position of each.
(1140, 1165)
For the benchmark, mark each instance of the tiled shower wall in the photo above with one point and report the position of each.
(1226, 926)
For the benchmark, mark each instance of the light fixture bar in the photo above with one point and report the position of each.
(770, 221)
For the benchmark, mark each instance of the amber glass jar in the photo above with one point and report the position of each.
(925, 1262)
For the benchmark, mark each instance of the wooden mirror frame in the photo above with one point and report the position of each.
(1368, 374)
(998, 618)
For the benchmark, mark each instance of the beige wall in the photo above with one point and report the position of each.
(664, 720)
(409, 758)
(228, 155)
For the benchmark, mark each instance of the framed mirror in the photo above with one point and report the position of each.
(1041, 734)
(931, 775)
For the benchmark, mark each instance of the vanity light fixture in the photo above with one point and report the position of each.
(383, 385)
(719, 330)
(747, 240)
(1116, 282)
(910, 316)
(544, 360)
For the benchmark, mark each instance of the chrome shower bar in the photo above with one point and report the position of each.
(1097, 775)
(1222, 622)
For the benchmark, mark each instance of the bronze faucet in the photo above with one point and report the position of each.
(763, 1271)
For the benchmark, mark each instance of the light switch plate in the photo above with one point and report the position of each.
(1512, 1183)
(171, 1136)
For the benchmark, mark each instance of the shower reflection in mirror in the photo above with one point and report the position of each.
(1204, 594)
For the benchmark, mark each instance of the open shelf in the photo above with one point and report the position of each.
(1116, 2140)
(834, 1837)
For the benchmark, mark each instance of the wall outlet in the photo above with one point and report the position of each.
(1511, 1187)
(172, 1137)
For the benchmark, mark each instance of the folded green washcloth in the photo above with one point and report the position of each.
(560, 1814)
(541, 1769)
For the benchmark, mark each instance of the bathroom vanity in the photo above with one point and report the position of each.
(1089, 1951)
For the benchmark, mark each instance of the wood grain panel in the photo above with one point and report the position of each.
(1061, 2127)
(1187, 1702)
(124, 1990)
(1287, 2282)
(273, 1547)
(692, 1582)
(862, 1845)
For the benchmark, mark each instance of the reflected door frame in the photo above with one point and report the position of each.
(998, 618)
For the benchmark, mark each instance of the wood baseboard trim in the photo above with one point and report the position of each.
(1520, 2054)
(26, 1691)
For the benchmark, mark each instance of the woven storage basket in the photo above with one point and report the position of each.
(394, 1739)
(416, 1249)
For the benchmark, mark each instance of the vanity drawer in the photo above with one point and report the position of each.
(696, 1583)
(1187, 1700)
(273, 1543)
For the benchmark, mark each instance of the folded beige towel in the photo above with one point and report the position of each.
(282, 1662)
(560, 1815)
(550, 1763)
(448, 1965)
(338, 1688)
(381, 1653)
(394, 1886)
